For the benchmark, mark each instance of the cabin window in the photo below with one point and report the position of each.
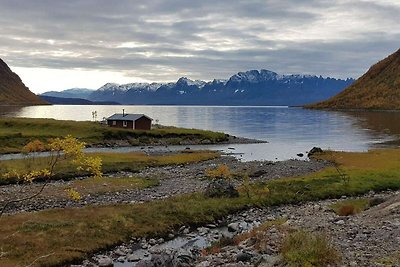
(114, 123)
(125, 123)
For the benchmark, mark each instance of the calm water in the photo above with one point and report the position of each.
(288, 130)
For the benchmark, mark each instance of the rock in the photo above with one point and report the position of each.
(221, 188)
(300, 155)
(314, 150)
(340, 222)
(243, 257)
(271, 261)
(105, 261)
(257, 173)
(121, 259)
(119, 252)
(156, 260)
(233, 227)
(183, 258)
(152, 241)
(203, 264)
(137, 255)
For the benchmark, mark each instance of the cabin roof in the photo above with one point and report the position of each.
(127, 117)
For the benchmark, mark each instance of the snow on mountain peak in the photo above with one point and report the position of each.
(254, 76)
(109, 86)
(189, 82)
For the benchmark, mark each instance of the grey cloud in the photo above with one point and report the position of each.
(199, 39)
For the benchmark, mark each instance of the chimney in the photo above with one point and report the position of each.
(123, 112)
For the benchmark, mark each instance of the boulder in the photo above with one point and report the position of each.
(314, 150)
(221, 188)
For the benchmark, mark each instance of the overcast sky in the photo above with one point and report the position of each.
(59, 44)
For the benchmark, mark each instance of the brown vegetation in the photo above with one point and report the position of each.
(379, 88)
(13, 91)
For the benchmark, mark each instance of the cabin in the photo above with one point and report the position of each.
(130, 121)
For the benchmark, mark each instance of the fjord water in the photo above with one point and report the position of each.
(289, 131)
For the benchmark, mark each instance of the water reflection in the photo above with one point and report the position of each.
(288, 130)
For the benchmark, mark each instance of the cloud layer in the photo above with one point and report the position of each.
(160, 40)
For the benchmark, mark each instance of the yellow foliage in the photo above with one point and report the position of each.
(34, 146)
(90, 164)
(60, 149)
(69, 145)
(32, 175)
(222, 171)
(73, 194)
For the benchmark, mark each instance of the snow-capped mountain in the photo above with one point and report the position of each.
(252, 87)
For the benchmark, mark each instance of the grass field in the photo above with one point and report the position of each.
(16, 132)
(112, 162)
(71, 234)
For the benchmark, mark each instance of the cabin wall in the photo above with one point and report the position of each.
(142, 123)
(120, 124)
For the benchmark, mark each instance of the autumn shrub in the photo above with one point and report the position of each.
(309, 249)
(221, 172)
(347, 210)
(61, 149)
(350, 206)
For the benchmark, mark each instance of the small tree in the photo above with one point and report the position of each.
(60, 149)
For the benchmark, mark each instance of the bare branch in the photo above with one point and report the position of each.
(39, 258)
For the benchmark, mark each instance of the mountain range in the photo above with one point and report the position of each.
(13, 91)
(378, 88)
(252, 87)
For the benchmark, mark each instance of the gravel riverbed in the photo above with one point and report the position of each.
(370, 238)
(174, 180)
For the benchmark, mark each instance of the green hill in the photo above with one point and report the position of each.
(378, 88)
(13, 91)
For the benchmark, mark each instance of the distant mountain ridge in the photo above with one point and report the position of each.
(70, 93)
(74, 101)
(252, 87)
(378, 88)
(13, 91)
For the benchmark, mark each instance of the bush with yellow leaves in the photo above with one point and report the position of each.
(60, 149)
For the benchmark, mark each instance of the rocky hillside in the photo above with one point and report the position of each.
(13, 91)
(379, 88)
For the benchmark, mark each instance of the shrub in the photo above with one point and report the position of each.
(301, 248)
(346, 210)
(350, 206)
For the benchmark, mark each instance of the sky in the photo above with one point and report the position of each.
(55, 45)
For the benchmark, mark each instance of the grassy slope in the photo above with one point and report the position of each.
(379, 88)
(16, 132)
(73, 233)
(13, 91)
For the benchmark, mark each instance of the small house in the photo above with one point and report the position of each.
(130, 121)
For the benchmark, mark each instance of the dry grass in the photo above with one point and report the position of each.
(112, 162)
(309, 249)
(350, 207)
